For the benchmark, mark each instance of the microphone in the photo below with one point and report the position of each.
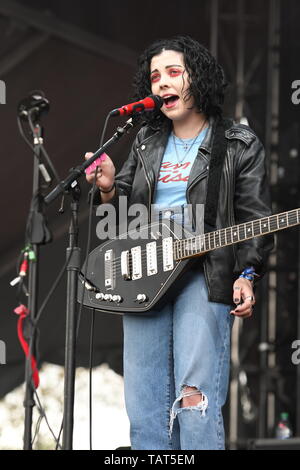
(35, 104)
(150, 103)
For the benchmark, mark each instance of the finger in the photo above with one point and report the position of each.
(244, 307)
(88, 155)
(249, 298)
(90, 178)
(236, 294)
(245, 314)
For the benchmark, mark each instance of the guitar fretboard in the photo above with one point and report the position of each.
(193, 246)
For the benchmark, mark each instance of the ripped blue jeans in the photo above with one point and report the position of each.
(185, 344)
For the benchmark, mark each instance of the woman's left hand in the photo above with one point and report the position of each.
(243, 292)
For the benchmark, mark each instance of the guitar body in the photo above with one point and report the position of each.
(127, 275)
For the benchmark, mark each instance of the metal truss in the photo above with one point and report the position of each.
(46, 25)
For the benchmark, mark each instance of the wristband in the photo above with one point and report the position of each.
(108, 191)
(249, 274)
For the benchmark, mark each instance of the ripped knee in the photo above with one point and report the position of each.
(191, 397)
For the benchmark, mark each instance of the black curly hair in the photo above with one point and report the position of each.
(207, 77)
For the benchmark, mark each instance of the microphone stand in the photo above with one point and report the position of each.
(73, 251)
(78, 171)
(73, 256)
(37, 235)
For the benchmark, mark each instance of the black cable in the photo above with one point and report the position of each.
(40, 145)
(85, 277)
(42, 148)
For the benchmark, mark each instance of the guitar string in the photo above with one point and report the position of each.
(292, 218)
(188, 248)
(289, 220)
(206, 238)
(116, 265)
(203, 239)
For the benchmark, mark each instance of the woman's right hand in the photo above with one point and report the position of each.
(105, 174)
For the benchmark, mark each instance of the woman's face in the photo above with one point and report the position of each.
(169, 79)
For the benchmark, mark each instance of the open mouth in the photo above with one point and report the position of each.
(170, 101)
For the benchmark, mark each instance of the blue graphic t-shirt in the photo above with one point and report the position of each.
(175, 170)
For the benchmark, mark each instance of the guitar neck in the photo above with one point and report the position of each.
(200, 244)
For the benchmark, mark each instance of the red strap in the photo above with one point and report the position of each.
(23, 311)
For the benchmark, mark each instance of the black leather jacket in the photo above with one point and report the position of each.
(244, 196)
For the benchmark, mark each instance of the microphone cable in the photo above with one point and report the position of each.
(88, 245)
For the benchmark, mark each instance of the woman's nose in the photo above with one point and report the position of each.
(164, 81)
(163, 84)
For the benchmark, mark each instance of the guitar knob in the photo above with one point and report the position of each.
(99, 296)
(108, 297)
(117, 298)
(140, 298)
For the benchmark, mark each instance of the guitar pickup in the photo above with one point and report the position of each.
(125, 268)
(136, 255)
(109, 269)
(168, 258)
(151, 253)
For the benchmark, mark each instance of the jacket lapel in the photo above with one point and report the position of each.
(152, 149)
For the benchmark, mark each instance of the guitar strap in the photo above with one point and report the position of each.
(219, 149)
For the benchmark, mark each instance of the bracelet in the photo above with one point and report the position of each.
(249, 274)
(109, 191)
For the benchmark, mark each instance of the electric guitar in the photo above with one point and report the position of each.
(133, 275)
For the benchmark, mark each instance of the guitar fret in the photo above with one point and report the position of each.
(199, 242)
(218, 238)
(223, 237)
(211, 240)
(273, 220)
(203, 248)
(264, 226)
(241, 235)
(293, 215)
(185, 244)
(235, 236)
(256, 227)
(205, 242)
(180, 248)
(228, 235)
(283, 220)
(290, 220)
(184, 248)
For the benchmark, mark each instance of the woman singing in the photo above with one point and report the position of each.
(177, 359)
